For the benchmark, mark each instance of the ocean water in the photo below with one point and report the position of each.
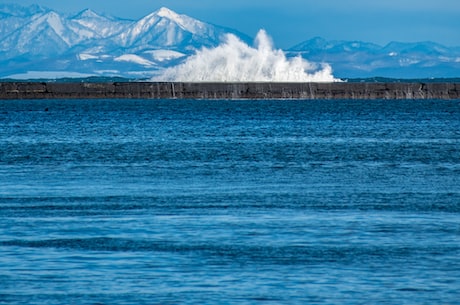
(229, 202)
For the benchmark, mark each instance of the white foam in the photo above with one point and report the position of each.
(235, 61)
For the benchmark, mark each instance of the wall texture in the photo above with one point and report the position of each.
(54, 90)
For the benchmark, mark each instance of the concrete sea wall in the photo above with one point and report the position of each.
(156, 90)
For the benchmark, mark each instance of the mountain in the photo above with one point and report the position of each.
(99, 26)
(41, 32)
(36, 42)
(168, 29)
(12, 16)
(357, 59)
(39, 39)
(18, 10)
(320, 45)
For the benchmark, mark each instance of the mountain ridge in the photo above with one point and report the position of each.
(36, 38)
(358, 59)
(90, 43)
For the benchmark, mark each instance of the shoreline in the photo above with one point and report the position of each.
(257, 90)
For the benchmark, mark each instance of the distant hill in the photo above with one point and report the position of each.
(353, 59)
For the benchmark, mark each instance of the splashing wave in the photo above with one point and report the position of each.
(235, 61)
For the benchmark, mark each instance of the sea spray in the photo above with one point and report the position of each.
(235, 61)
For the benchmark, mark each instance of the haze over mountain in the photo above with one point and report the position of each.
(38, 42)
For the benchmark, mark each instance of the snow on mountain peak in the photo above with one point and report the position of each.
(99, 26)
(167, 13)
(187, 23)
(52, 20)
(182, 20)
(167, 28)
(87, 13)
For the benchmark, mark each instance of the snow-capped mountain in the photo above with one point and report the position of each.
(169, 29)
(352, 59)
(99, 26)
(13, 16)
(39, 39)
(46, 34)
(18, 10)
(36, 41)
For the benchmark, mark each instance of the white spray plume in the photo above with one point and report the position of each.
(235, 61)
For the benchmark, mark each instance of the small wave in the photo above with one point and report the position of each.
(274, 254)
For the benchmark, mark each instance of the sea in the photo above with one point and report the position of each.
(230, 202)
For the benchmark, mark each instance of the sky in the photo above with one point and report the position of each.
(290, 22)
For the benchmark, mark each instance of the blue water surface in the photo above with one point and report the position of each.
(229, 202)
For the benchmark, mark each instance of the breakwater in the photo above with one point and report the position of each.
(168, 90)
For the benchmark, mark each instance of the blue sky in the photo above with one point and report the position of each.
(292, 21)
